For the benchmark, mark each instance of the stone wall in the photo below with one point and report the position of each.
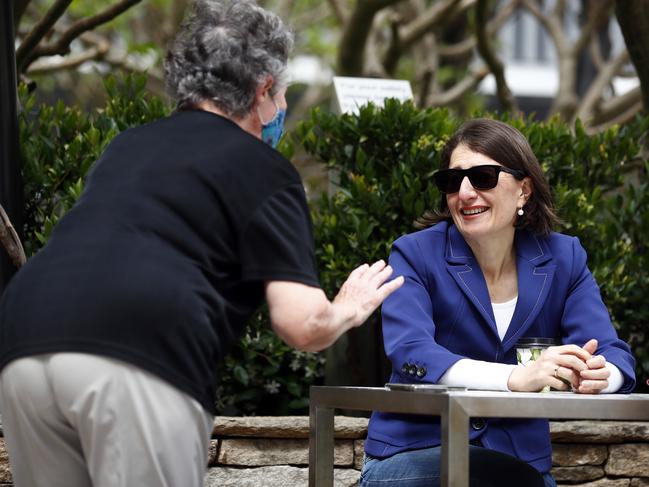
(601, 453)
(274, 452)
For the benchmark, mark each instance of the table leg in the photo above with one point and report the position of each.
(321, 446)
(455, 446)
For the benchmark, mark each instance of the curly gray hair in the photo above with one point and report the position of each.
(223, 50)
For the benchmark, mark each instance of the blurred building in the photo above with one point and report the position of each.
(530, 58)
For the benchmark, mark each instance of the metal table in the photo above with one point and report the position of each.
(455, 409)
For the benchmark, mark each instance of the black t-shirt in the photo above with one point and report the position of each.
(164, 257)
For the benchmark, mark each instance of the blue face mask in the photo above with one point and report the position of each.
(272, 131)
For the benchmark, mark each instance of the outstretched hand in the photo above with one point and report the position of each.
(365, 289)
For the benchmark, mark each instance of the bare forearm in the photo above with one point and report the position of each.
(324, 326)
(310, 322)
(305, 319)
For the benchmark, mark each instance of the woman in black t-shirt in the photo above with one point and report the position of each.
(109, 337)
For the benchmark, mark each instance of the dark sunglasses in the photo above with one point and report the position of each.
(481, 177)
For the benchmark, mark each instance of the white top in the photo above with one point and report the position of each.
(503, 313)
(493, 376)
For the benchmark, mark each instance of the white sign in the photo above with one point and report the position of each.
(352, 93)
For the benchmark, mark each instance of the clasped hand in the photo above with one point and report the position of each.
(564, 368)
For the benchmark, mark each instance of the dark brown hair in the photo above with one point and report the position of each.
(507, 146)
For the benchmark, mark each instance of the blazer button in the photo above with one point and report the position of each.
(412, 370)
(478, 423)
(421, 371)
(405, 368)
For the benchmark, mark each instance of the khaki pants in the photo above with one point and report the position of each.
(78, 420)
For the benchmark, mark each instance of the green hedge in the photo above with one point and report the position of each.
(384, 159)
(59, 144)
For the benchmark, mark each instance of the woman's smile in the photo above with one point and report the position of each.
(471, 212)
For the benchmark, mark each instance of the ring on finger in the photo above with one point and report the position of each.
(556, 372)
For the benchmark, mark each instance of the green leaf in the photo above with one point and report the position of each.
(241, 375)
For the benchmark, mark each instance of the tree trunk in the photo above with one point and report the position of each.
(633, 17)
(11, 185)
(351, 52)
(19, 10)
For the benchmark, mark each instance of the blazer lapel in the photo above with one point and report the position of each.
(466, 272)
(535, 275)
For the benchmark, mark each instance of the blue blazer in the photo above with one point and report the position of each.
(443, 313)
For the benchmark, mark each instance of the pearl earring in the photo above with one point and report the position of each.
(520, 212)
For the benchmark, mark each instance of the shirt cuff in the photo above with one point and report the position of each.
(615, 380)
(477, 374)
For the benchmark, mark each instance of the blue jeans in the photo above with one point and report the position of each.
(421, 468)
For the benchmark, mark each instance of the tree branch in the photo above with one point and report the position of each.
(29, 44)
(599, 12)
(464, 47)
(405, 37)
(99, 48)
(428, 64)
(373, 67)
(603, 79)
(466, 84)
(338, 11)
(565, 101)
(433, 16)
(617, 106)
(68, 62)
(624, 117)
(395, 49)
(20, 6)
(559, 9)
(505, 96)
(595, 52)
(633, 18)
(457, 50)
(62, 45)
(551, 23)
(354, 39)
(10, 240)
(425, 87)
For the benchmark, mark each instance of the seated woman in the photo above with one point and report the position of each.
(488, 272)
